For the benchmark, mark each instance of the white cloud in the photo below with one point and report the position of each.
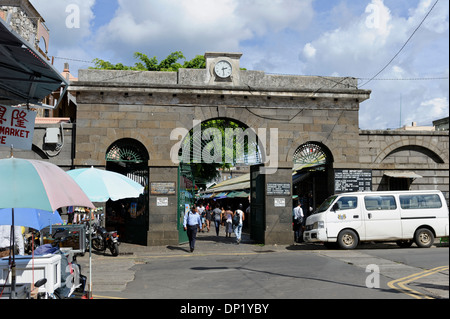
(195, 26)
(309, 51)
(365, 45)
(345, 38)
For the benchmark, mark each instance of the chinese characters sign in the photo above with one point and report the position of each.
(16, 127)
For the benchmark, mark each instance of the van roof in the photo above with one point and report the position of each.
(392, 192)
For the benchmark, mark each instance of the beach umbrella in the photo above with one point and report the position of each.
(36, 184)
(29, 217)
(100, 185)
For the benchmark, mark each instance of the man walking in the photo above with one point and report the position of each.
(238, 227)
(298, 222)
(217, 215)
(192, 222)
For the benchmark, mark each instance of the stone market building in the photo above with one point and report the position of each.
(125, 120)
(134, 122)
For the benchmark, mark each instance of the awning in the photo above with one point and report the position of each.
(220, 196)
(25, 76)
(402, 174)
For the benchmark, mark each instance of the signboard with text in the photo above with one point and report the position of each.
(352, 180)
(16, 127)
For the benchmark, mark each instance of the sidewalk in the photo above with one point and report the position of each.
(206, 243)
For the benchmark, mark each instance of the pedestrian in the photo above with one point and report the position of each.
(208, 217)
(228, 223)
(6, 242)
(238, 227)
(192, 222)
(297, 216)
(217, 217)
(202, 213)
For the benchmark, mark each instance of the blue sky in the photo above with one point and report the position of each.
(354, 38)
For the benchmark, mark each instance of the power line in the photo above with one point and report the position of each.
(406, 79)
(420, 24)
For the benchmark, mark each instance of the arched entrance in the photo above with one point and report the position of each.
(312, 181)
(129, 216)
(209, 150)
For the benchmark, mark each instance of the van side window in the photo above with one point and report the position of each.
(420, 201)
(347, 202)
(384, 202)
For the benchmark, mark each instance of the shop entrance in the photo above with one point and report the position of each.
(313, 180)
(129, 216)
(207, 155)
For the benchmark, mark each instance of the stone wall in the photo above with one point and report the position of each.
(149, 106)
(425, 153)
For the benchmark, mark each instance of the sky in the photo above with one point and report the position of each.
(355, 38)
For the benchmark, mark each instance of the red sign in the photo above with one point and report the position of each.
(16, 127)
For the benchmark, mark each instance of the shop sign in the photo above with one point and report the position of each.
(279, 189)
(16, 127)
(162, 188)
(279, 202)
(162, 201)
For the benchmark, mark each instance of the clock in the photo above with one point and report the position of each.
(223, 69)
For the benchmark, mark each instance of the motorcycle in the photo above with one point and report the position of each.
(106, 239)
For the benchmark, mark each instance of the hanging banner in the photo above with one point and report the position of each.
(16, 127)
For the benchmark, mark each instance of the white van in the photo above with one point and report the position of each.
(401, 216)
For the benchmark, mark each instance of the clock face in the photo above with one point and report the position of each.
(223, 69)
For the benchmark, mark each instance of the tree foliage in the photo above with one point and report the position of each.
(169, 64)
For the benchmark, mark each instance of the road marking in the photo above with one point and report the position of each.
(402, 282)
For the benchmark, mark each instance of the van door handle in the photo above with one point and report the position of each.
(370, 215)
(355, 216)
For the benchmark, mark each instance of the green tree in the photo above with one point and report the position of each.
(169, 64)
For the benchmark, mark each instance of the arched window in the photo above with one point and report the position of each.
(311, 154)
(127, 150)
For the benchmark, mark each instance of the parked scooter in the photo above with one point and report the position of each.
(106, 239)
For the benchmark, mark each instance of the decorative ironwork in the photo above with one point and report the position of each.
(310, 154)
(126, 151)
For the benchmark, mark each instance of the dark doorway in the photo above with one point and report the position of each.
(129, 216)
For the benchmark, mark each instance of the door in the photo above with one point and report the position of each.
(382, 218)
(257, 204)
(346, 213)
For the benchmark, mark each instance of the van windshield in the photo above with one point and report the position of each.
(326, 204)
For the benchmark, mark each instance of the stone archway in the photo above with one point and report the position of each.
(130, 216)
(313, 174)
(214, 145)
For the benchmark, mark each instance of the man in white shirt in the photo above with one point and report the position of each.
(298, 222)
(5, 240)
(238, 227)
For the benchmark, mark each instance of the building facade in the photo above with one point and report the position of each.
(144, 115)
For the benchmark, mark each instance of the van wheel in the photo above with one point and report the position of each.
(347, 239)
(424, 238)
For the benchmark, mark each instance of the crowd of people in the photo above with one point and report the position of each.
(201, 218)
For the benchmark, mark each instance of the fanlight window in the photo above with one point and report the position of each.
(126, 151)
(310, 154)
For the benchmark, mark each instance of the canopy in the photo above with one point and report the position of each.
(402, 174)
(25, 76)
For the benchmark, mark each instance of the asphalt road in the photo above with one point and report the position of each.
(220, 270)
